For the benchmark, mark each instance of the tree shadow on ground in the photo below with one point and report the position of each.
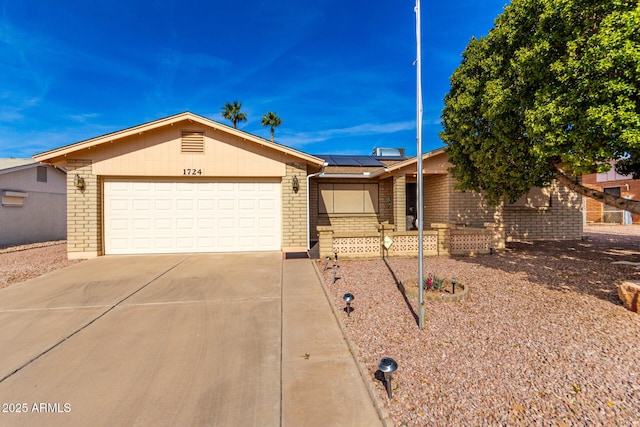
(585, 266)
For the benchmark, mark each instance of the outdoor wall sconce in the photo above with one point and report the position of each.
(348, 298)
(389, 201)
(388, 366)
(78, 182)
(295, 184)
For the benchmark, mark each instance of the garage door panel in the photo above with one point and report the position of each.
(163, 243)
(171, 217)
(141, 243)
(141, 224)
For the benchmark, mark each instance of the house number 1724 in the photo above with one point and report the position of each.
(191, 171)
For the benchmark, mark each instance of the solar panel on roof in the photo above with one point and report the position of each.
(347, 160)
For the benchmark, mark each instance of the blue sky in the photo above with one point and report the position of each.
(339, 74)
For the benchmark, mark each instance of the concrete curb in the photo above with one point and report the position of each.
(383, 412)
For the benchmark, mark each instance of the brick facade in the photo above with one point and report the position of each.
(436, 199)
(294, 209)
(399, 203)
(562, 219)
(84, 211)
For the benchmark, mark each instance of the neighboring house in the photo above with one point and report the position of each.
(189, 184)
(33, 202)
(618, 185)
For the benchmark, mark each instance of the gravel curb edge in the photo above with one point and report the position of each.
(27, 246)
(383, 413)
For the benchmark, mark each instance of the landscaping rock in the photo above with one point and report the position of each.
(629, 293)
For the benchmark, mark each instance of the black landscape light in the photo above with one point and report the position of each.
(335, 252)
(335, 272)
(348, 298)
(326, 264)
(388, 366)
(453, 285)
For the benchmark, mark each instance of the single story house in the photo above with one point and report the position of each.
(33, 202)
(186, 183)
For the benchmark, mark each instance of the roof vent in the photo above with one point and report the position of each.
(388, 152)
(192, 142)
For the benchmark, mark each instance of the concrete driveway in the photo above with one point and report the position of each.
(193, 339)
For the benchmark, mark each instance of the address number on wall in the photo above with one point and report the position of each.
(191, 171)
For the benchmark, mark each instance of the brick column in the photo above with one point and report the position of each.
(400, 203)
(294, 209)
(84, 211)
(444, 237)
(325, 243)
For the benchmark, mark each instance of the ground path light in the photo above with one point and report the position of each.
(453, 285)
(348, 298)
(335, 273)
(388, 366)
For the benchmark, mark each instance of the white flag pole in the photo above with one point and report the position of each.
(420, 195)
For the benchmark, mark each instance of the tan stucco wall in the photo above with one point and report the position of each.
(42, 216)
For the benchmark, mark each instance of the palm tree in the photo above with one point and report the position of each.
(232, 112)
(271, 119)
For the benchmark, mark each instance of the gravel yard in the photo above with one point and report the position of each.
(20, 263)
(542, 340)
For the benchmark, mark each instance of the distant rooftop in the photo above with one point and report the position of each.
(9, 163)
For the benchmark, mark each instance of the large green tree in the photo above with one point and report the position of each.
(272, 120)
(552, 92)
(231, 111)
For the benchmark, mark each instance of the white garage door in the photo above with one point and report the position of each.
(171, 217)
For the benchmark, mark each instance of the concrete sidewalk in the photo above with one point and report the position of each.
(321, 384)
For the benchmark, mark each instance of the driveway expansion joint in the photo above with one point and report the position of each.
(111, 307)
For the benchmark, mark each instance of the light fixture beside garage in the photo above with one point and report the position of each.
(295, 184)
(78, 182)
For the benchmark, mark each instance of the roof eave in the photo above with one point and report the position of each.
(392, 169)
(50, 155)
